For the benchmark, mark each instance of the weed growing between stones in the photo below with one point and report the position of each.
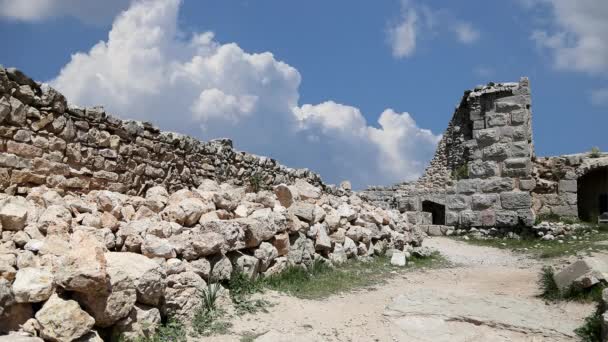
(591, 330)
(241, 288)
(595, 152)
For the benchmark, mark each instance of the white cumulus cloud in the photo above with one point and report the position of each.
(146, 70)
(466, 33)
(88, 11)
(418, 22)
(402, 36)
(577, 35)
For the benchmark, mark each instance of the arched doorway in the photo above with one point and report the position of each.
(438, 211)
(592, 194)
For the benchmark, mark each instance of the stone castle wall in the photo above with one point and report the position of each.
(482, 169)
(44, 141)
(558, 182)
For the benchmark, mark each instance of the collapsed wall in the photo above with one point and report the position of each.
(93, 245)
(481, 174)
(46, 142)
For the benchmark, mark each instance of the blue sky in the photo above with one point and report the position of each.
(336, 67)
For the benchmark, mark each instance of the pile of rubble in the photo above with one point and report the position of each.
(105, 264)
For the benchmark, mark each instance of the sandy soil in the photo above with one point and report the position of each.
(488, 295)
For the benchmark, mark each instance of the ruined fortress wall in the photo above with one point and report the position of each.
(561, 186)
(43, 141)
(499, 160)
(482, 169)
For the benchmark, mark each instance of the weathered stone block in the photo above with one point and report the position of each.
(568, 186)
(451, 218)
(483, 201)
(467, 186)
(486, 136)
(526, 217)
(469, 218)
(499, 151)
(506, 218)
(479, 124)
(527, 184)
(519, 117)
(497, 184)
(483, 169)
(520, 149)
(457, 202)
(507, 107)
(488, 218)
(496, 119)
(516, 200)
(23, 150)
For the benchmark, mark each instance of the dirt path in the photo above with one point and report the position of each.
(489, 295)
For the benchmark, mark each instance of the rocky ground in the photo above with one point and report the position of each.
(487, 294)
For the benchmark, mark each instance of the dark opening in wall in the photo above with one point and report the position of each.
(436, 209)
(592, 194)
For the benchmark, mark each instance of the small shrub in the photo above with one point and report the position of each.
(595, 152)
(549, 288)
(172, 331)
(210, 295)
(255, 182)
(208, 322)
(241, 288)
(461, 172)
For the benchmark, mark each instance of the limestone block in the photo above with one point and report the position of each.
(486, 136)
(457, 202)
(527, 217)
(483, 201)
(63, 320)
(567, 186)
(488, 218)
(527, 184)
(519, 117)
(451, 218)
(499, 151)
(483, 169)
(469, 218)
(516, 200)
(585, 273)
(506, 218)
(520, 149)
(467, 186)
(497, 119)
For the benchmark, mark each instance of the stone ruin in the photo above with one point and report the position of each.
(486, 177)
(110, 227)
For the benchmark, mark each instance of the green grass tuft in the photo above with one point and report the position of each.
(591, 330)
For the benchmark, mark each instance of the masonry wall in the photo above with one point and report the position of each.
(44, 141)
(482, 169)
(557, 189)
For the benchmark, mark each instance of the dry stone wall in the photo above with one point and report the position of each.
(45, 141)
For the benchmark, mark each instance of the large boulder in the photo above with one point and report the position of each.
(13, 213)
(196, 245)
(63, 320)
(83, 268)
(305, 190)
(147, 276)
(182, 295)
(141, 322)
(33, 285)
(155, 247)
(583, 273)
(304, 211)
(108, 308)
(266, 253)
